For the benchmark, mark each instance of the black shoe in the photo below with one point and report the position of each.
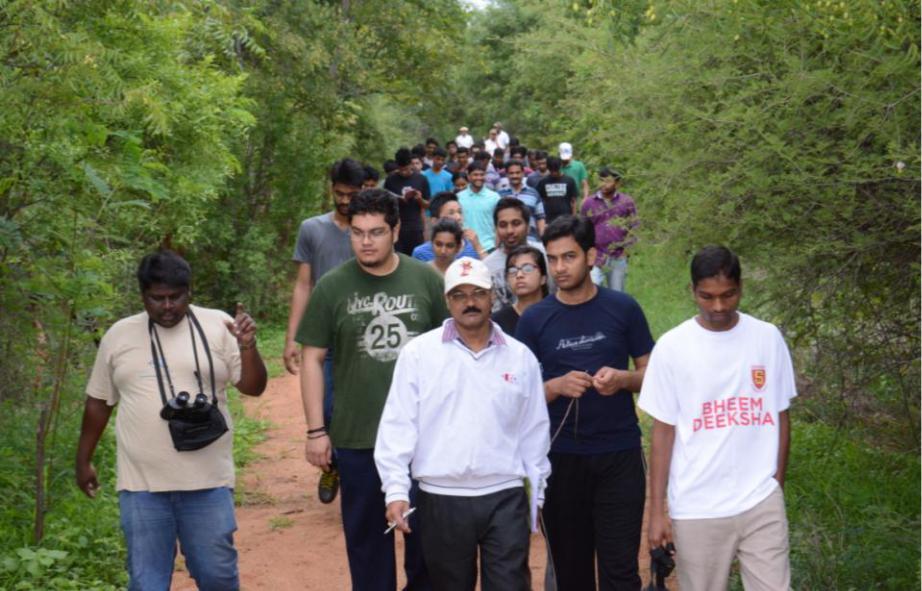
(328, 486)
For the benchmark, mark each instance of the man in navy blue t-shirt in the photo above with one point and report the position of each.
(584, 338)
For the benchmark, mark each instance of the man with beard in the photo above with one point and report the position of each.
(412, 191)
(574, 169)
(466, 410)
(367, 309)
(511, 218)
(614, 216)
(584, 338)
(538, 161)
(515, 172)
(172, 487)
(323, 243)
(558, 191)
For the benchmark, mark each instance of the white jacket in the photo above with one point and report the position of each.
(469, 424)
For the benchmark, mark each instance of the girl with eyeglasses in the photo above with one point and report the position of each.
(526, 276)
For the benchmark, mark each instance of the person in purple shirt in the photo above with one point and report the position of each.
(614, 216)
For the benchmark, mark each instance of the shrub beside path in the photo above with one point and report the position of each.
(287, 539)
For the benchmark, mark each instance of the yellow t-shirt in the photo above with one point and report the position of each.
(124, 374)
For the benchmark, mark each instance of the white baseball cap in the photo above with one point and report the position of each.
(467, 271)
(462, 129)
(566, 151)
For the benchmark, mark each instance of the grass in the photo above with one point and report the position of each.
(658, 279)
(853, 508)
(83, 548)
(280, 522)
(271, 346)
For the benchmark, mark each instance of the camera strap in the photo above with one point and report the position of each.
(214, 395)
(156, 351)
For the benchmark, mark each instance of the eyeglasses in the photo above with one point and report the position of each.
(527, 268)
(478, 295)
(376, 234)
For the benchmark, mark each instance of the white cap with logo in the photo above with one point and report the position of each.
(467, 271)
(566, 151)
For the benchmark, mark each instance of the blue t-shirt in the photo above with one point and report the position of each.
(607, 330)
(478, 214)
(438, 181)
(424, 252)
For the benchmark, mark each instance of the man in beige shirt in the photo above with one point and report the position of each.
(149, 364)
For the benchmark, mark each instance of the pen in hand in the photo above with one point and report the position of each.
(392, 524)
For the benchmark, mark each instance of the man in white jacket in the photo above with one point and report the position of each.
(466, 410)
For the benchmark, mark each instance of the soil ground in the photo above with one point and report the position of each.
(287, 539)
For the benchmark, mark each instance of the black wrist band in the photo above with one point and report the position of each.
(322, 429)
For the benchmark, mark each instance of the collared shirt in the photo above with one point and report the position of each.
(465, 423)
(532, 200)
(613, 220)
(464, 140)
(450, 333)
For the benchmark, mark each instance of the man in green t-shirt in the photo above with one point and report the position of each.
(574, 169)
(366, 310)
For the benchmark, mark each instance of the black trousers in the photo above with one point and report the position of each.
(456, 527)
(593, 511)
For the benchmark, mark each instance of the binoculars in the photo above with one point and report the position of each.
(181, 402)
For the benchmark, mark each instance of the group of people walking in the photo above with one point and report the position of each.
(471, 388)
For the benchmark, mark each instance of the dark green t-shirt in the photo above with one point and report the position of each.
(367, 320)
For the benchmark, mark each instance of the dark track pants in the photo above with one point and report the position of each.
(372, 562)
(593, 510)
(456, 527)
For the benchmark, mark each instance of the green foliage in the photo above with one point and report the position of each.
(82, 547)
(787, 130)
(658, 278)
(329, 81)
(797, 143)
(854, 512)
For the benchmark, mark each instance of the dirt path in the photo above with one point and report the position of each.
(287, 539)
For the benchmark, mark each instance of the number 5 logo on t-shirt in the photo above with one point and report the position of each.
(384, 337)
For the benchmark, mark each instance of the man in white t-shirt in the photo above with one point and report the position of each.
(171, 352)
(464, 139)
(718, 387)
(502, 138)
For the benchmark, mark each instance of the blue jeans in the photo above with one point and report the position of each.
(372, 562)
(204, 523)
(611, 274)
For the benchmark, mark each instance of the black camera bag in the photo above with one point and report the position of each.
(191, 428)
(195, 428)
